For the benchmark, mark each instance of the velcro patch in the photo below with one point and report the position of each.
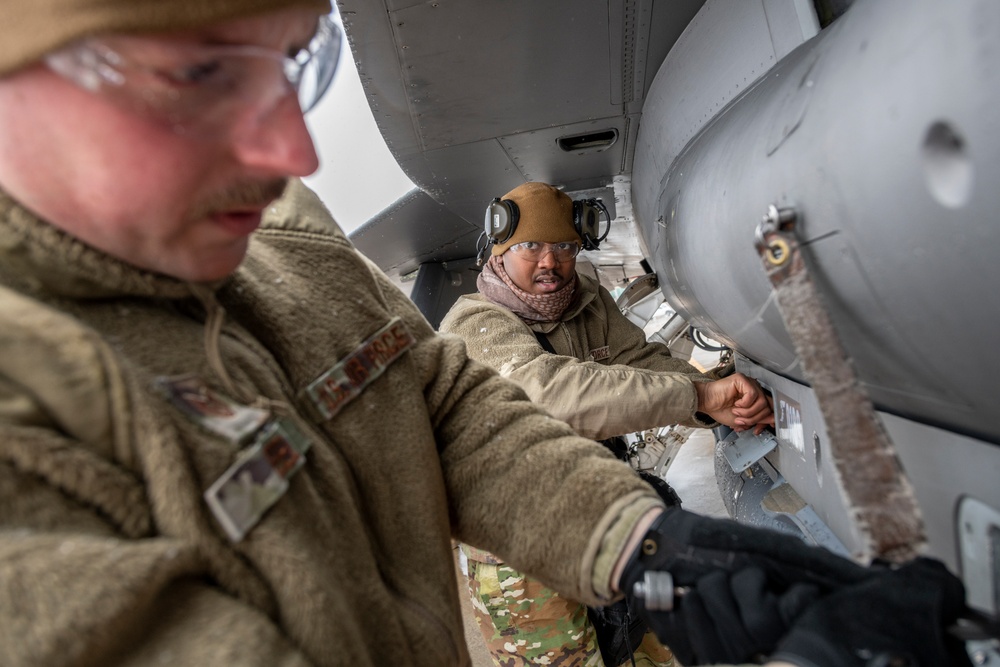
(332, 390)
(600, 353)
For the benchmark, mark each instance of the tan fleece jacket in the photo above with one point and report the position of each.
(604, 379)
(110, 556)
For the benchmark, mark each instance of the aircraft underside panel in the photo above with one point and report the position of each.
(954, 478)
(882, 132)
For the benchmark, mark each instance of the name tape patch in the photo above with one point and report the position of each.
(332, 390)
(600, 353)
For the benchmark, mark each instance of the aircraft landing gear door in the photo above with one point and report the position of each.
(882, 499)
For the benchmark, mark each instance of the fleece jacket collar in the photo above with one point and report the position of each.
(39, 259)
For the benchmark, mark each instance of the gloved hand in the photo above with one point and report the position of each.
(747, 592)
(690, 545)
(744, 584)
(896, 617)
(729, 618)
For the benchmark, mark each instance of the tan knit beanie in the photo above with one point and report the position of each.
(29, 29)
(546, 215)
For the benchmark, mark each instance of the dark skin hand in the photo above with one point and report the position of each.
(736, 401)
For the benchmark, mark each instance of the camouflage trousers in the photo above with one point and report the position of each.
(526, 623)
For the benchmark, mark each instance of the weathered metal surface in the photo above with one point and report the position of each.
(881, 499)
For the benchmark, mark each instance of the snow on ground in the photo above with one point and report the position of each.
(692, 475)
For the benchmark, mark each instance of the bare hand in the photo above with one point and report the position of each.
(736, 401)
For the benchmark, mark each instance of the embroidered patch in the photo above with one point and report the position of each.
(211, 410)
(258, 478)
(332, 390)
(601, 353)
(239, 498)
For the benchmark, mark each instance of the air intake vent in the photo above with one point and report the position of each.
(590, 142)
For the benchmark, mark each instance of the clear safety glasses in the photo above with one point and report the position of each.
(533, 251)
(199, 89)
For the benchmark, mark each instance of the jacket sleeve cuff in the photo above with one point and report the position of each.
(610, 541)
(700, 419)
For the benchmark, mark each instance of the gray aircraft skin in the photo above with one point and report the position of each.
(875, 122)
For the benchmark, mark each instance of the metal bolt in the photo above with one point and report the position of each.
(656, 590)
(774, 220)
(779, 216)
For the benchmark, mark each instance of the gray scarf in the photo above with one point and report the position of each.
(496, 285)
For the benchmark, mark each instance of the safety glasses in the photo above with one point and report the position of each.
(533, 251)
(198, 89)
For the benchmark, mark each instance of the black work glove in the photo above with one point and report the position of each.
(690, 545)
(896, 617)
(729, 618)
(744, 584)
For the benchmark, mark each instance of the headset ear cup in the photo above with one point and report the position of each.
(578, 224)
(587, 220)
(501, 220)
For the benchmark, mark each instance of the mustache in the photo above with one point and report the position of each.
(243, 194)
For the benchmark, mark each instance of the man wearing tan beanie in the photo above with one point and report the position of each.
(559, 335)
(225, 437)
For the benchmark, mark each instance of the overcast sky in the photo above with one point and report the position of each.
(358, 177)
